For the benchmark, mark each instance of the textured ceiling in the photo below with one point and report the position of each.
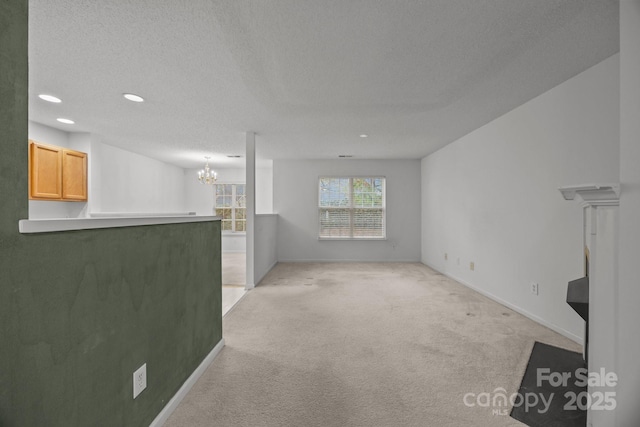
(308, 76)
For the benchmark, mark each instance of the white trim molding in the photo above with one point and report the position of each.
(171, 406)
(593, 194)
(518, 309)
(600, 238)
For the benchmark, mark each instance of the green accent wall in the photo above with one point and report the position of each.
(80, 311)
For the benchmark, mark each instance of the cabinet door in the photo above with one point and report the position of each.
(74, 175)
(46, 172)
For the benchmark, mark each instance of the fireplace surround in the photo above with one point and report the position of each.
(594, 296)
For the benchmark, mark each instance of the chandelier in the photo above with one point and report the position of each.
(207, 175)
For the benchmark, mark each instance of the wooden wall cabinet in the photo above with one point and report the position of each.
(57, 173)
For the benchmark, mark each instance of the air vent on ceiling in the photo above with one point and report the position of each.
(234, 156)
(345, 156)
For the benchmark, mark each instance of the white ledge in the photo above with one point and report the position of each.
(27, 226)
(136, 214)
(593, 194)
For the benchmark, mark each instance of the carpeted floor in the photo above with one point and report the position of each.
(363, 344)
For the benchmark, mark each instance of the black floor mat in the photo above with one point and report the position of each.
(552, 408)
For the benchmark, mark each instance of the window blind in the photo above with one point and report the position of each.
(351, 208)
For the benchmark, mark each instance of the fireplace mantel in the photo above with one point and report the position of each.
(593, 194)
(600, 204)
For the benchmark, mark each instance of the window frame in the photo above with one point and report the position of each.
(233, 207)
(352, 208)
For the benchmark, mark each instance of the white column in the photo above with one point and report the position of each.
(601, 241)
(628, 344)
(251, 206)
(603, 290)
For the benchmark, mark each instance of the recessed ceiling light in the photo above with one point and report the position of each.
(364, 135)
(50, 98)
(133, 97)
(65, 121)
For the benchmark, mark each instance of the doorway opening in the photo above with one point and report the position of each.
(233, 279)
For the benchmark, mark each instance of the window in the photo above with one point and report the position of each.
(231, 206)
(352, 208)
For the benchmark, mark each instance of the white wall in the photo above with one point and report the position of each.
(48, 135)
(128, 182)
(266, 255)
(230, 175)
(295, 199)
(39, 209)
(628, 344)
(118, 180)
(234, 242)
(491, 197)
(264, 190)
(199, 198)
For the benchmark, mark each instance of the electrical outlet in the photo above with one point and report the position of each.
(472, 266)
(139, 380)
(534, 288)
(446, 256)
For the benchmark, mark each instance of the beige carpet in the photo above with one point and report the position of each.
(362, 344)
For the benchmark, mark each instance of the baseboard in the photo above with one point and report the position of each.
(171, 406)
(537, 319)
(246, 291)
(266, 272)
(353, 260)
